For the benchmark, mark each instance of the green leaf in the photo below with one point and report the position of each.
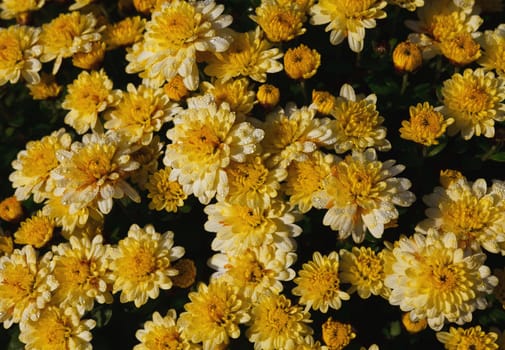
(101, 315)
(498, 157)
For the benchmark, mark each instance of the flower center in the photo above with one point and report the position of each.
(165, 339)
(357, 119)
(17, 282)
(10, 52)
(202, 141)
(181, 22)
(352, 8)
(40, 160)
(246, 177)
(474, 100)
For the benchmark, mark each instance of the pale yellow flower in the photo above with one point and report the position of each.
(249, 55)
(19, 57)
(91, 60)
(140, 113)
(26, 284)
(469, 338)
(81, 269)
(141, 264)
(237, 93)
(348, 19)
(126, 32)
(323, 101)
(318, 283)
(432, 278)
(11, 9)
(301, 62)
(493, 46)
(57, 328)
(46, 88)
(164, 193)
(36, 230)
(89, 95)
(213, 314)
(204, 139)
(33, 165)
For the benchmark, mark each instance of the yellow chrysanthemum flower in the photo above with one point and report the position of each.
(407, 57)
(66, 35)
(268, 95)
(348, 18)
(276, 324)
(204, 139)
(249, 55)
(162, 333)
(318, 283)
(237, 93)
(6, 244)
(426, 124)
(10, 9)
(460, 49)
(361, 194)
(448, 176)
(36, 230)
(19, 57)
(140, 113)
(305, 179)
(92, 59)
(81, 269)
(141, 264)
(193, 26)
(410, 5)
(164, 194)
(57, 328)
(255, 270)
(337, 335)
(280, 21)
(301, 62)
(26, 285)
(432, 278)
(293, 133)
(323, 101)
(46, 88)
(94, 170)
(358, 124)
(213, 314)
(124, 33)
(470, 210)
(88, 96)
(469, 338)
(239, 227)
(413, 326)
(11, 209)
(175, 89)
(33, 165)
(493, 46)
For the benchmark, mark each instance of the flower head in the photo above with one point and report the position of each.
(413, 326)
(36, 230)
(493, 47)
(323, 101)
(11, 9)
(434, 279)
(301, 62)
(46, 88)
(175, 89)
(348, 18)
(141, 264)
(425, 126)
(469, 338)
(407, 57)
(213, 314)
(337, 335)
(11, 209)
(268, 95)
(92, 59)
(460, 49)
(163, 192)
(237, 93)
(124, 33)
(318, 283)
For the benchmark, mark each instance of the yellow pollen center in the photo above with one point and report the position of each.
(40, 160)
(17, 282)
(202, 141)
(181, 22)
(247, 177)
(358, 119)
(10, 52)
(443, 278)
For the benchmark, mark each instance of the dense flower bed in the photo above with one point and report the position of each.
(310, 174)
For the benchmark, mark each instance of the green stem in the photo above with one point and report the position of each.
(405, 83)
(489, 153)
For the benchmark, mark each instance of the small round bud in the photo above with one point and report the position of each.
(407, 57)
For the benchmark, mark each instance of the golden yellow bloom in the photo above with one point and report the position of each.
(434, 279)
(11, 209)
(26, 285)
(363, 269)
(36, 230)
(475, 100)
(460, 49)
(407, 57)
(213, 314)
(413, 326)
(187, 273)
(426, 124)
(237, 93)
(410, 5)
(280, 22)
(276, 324)
(470, 210)
(361, 195)
(145, 6)
(124, 33)
(11, 9)
(6, 244)
(164, 193)
(33, 166)
(57, 328)
(348, 18)
(94, 172)
(175, 89)
(196, 26)
(268, 96)
(66, 35)
(92, 59)
(88, 96)
(162, 333)
(81, 269)
(358, 124)
(46, 88)
(249, 55)
(493, 46)
(318, 283)
(140, 112)
(448, 176)
(301, 62)
(469, 338)
(323, 101)
(337, 335)
(142, 264)
(305, 179)
(19, 56)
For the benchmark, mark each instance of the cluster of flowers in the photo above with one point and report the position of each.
(188, 129)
